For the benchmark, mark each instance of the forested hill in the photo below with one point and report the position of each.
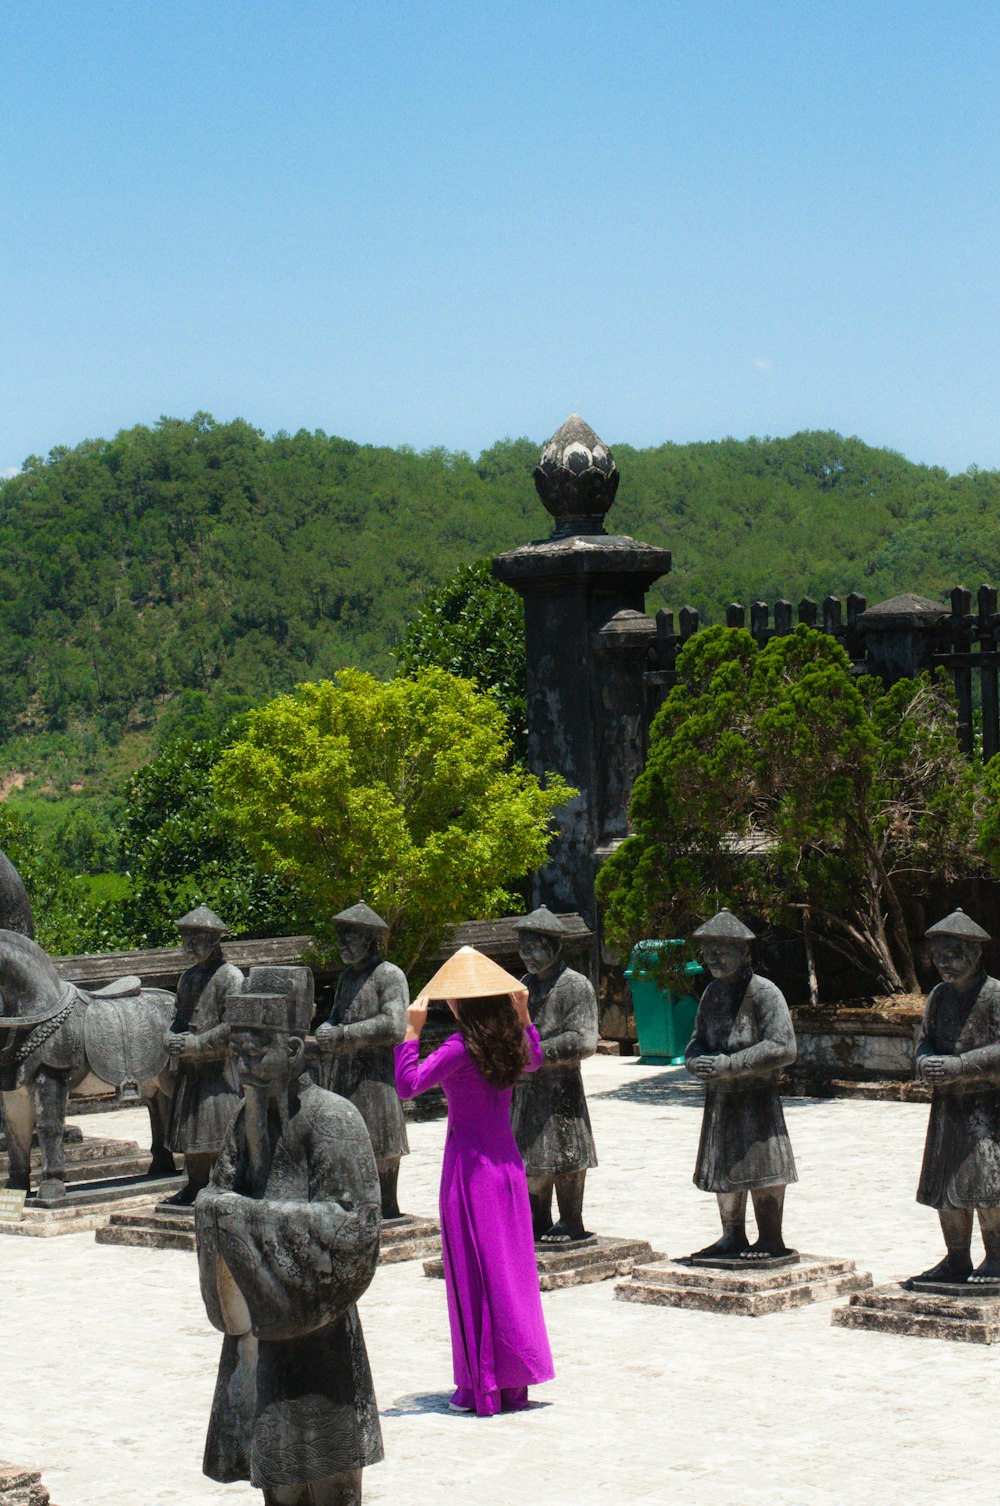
(202, 556)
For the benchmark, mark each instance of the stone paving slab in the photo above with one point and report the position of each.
(109, 1363)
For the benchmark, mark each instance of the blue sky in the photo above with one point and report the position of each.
(443, 223)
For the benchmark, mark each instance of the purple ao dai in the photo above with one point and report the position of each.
(498, 1336)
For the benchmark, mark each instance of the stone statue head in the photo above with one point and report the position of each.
(725, 945)
(360, 933)
(201, 932)
(540, 937)
(957, 947)
(268, 1056)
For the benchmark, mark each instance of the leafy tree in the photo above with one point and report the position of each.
(779, 785)
(473, 627)
(178, 853)
(398, 793)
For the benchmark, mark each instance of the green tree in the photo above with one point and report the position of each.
(178, 853)
(397, 793)
(781, 786)
(473, 627)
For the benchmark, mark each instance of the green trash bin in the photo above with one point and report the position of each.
(663, 1021)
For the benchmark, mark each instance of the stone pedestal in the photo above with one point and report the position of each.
(747, 1291)
(165, 1227)
(21, 1486)
(101, 1177)
(594, 1259)
(938, 1312)
(89, 1160)
(587, 639)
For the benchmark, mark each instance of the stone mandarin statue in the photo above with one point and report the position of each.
(550, 1118)
(207, 1088)
(743, 1036)
(288, 1239)
(367, 1022)
(958, 1055)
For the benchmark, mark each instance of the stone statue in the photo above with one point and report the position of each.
(959, 1056)
(53, 1035)
(288, 1239)
(207, 1089)
(367, 1021)
(549, 1116)
(743, 1036)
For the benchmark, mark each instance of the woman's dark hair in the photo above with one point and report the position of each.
(495, 1038)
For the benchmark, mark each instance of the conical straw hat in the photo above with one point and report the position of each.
(470, 975)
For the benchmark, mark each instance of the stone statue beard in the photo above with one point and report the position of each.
(265, 1118)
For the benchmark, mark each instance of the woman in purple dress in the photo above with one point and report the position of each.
(498, 1339)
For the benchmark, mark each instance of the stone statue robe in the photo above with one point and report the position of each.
(550, 1118)
(280, 1275)
(744, 1142)
(961, 1167)
(370, 1003)
(208, 1088)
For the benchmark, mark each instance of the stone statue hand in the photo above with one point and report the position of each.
(942, 1068)
(329, 1037)
(707, 1067)
(181, 1044)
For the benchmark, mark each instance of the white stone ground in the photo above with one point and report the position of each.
(108, 1361)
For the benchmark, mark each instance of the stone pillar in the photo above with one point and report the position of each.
(586, 641)
(901, 636)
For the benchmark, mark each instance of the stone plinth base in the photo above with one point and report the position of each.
(89, 1206)
(594, 1259)
(941, 1314)
(164, 1227)
(160, 1227)
(88, 1160)
(20, 1486)
(747, 1291)
(409, 1238)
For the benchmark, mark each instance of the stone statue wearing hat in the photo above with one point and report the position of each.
(367, 1022)
(207, 1088)
(550, 1118)
(743, 1036)
(958, 1055)
(288, 1239)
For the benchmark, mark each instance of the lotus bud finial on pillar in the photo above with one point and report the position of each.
(576, 478)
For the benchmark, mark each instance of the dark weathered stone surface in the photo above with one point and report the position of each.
(49, 1044)
(894, 1309)
(596, 1259)
(750, 1292)
(21, 1486)
(287, 1238)
(586, 641)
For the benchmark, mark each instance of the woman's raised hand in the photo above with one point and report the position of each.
(416, 1017)
(520, 1003)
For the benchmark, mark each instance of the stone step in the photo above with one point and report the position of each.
(752, 1294)
(894, 1309)
(161, 1227)
(148, 1231)
(409, 1238)
(577, 1265)
(83, 1152)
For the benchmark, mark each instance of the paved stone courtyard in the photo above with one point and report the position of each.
(109, 1362)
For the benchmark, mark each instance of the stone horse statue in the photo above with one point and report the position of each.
(53, 1035)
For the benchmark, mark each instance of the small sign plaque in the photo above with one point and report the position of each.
(11, 1206)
